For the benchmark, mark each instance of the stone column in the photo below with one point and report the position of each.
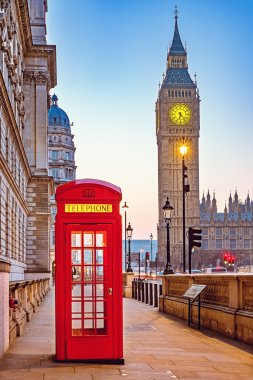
(36, 125)
(4, 306)
(40, 185)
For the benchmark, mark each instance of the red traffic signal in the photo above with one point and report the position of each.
(147, 255)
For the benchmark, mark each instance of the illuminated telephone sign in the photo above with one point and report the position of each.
(88, 207)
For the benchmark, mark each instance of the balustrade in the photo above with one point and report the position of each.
(226, 303)
(24, 298)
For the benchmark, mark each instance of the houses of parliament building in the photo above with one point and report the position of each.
(228, 232)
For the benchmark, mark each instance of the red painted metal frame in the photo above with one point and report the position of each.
(88, 191)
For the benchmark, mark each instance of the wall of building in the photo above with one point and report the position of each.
(27, 72)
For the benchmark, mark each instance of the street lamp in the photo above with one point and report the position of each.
(129, 232)
(167, 210)
(185, 189)
(151, 238)
(125, 207)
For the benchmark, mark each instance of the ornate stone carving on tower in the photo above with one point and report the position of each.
(177, 122)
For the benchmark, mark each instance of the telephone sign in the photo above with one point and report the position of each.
(88, 278)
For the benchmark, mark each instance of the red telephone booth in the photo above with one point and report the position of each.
(88, 272)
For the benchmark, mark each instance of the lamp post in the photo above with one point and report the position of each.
(125, 207)
(129, 232)
(167, 210)
(151, 238)
(185, 189)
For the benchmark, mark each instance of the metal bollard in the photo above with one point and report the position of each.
(151, 294)
(139, 290)
(160, 290)
(146, 292)
(155, 295)
(142, 291)
(133, 288)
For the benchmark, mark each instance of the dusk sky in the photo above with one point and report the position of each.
(110, 58)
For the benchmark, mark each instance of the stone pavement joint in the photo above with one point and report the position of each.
(156, 347)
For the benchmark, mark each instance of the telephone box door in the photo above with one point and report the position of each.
(89, 291)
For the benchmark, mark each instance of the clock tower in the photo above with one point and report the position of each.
(177, 123)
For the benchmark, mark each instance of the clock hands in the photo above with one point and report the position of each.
(181, 117)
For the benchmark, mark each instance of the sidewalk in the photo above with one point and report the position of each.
(155, 348)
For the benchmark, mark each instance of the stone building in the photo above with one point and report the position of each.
(229, 232)
(177, 123)
(61, 156)
(27, 73)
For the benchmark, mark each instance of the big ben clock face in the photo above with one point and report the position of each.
(180, 114)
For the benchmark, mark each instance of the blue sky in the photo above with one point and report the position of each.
(110, 58)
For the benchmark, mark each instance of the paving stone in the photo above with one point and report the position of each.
(155, 348)
(21, 374)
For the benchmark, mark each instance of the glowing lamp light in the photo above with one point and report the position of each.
(183, 149)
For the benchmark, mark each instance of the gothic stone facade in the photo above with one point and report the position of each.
(229, 232)
(27, 72)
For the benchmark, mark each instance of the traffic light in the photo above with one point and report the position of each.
(231, 260)
(147, 256)
(194, 236)
(225, 258)
(186, 185)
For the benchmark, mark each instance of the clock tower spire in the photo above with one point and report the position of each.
(177, 122)
(177, 56)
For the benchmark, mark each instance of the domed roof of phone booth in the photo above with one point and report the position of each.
(69, 187)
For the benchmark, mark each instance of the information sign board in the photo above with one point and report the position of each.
(194, 291)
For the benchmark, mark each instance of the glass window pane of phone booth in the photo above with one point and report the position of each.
(89, 299)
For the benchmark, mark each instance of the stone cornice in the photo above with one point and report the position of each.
(8, 112)
(4, 168)
(48, 51)
(47, 179)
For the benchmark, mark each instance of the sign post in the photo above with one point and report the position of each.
(191, 294)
